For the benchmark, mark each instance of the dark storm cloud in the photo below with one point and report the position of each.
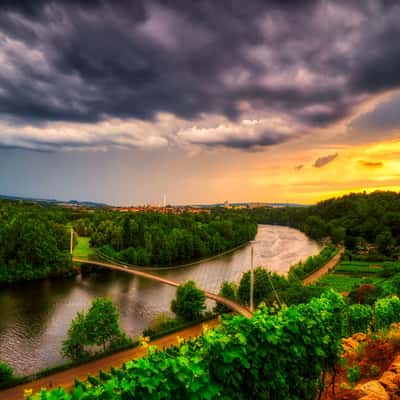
(384, 118)
(371, 164)
(244, 142)
(86, 61)
(299, 167)
(322, 161)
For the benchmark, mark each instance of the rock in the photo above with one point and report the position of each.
(375, 389)
(395, 367)
(359, 337)
(350, 345)
(389, 381)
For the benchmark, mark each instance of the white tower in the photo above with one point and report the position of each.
(165, 200)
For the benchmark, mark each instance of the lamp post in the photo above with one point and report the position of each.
(252, 276)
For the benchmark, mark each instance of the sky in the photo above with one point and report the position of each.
(204, 101)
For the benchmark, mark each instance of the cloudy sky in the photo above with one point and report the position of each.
(123, 101)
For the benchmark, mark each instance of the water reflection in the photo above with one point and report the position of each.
(35, 315)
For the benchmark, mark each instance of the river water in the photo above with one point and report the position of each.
(35, 316)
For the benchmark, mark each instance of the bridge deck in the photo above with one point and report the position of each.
(229, 303)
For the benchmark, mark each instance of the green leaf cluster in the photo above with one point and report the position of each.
(98, 327)
(280, 356)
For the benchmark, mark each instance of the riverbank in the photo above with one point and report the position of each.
(36, 315)
(324, 270)
(66, 379)
(170, 268)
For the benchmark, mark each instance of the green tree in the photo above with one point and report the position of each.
(98, 327)
(338, 233)
(262, 285)
(74, 346)
(228, 291)
(385, 242)
(189, 303)
(6, 372)
(101, 322)
(315, 227)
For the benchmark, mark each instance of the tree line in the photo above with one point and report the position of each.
(368, 224)
(153, 238)
(34, 241)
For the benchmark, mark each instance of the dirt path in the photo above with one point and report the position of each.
(324, 270)
(66, 378)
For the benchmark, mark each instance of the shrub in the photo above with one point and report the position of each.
(6, 372)
(189, 303)
(228, 291)
(387, 311)
(279, 356)
(353, 374)
(359, 318)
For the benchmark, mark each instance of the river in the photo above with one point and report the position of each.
(35, 316)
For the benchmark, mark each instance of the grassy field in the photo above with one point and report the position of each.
(348, 274)
(357, 269)
(343, 283)
(82, 248)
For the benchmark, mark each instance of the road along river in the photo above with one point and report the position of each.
(35, 315)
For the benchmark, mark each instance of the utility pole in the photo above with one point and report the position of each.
(72, 241)
(252, 279)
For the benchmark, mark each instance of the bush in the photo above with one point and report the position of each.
(279, 356)
(387, 311)
(98, 327)
(262, 286)
(353, 374)
(6, 372)
(228, 291)
(359, 318)
(189, 303)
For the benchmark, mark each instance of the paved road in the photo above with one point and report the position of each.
(324, 270)
(229, 303)
(66, 378)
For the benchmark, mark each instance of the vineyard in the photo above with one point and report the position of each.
(275, 355)
(350, 274)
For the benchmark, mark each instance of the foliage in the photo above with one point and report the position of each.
(189, 303)
(280, 356)
(356, 268)
(353, 374)
(301, 270)
(34, 242)
(341, 283)
(368, 224)
(387, 311)
(151, 238)
(6, 372)
(264, 284)
(74, 346)
(228, 290)
(273, 356)
(359, 318)
(98, 327)
(101, 322)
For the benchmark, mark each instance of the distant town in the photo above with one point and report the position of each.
(164, 208)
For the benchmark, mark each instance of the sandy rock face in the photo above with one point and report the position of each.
(374, 389)
(389, 381)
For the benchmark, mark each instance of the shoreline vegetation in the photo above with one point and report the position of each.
(171, 326)
(35, 239)
(19, 380)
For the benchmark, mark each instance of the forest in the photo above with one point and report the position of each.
(35, 238)
(34, 241)
(158, 239)
(368, 224)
